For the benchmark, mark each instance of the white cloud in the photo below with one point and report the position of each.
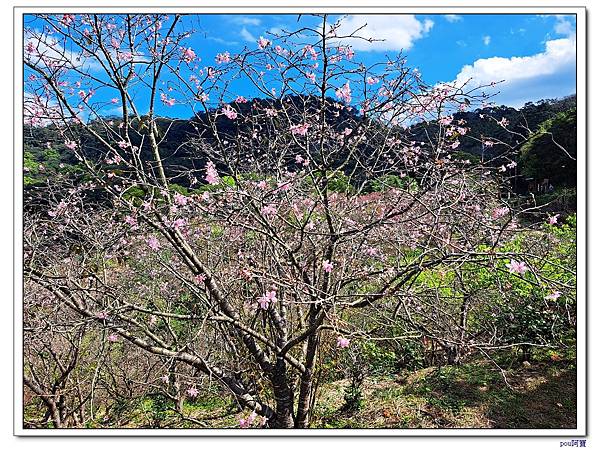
(247, 36)
(51, 49)
(563, 26)
(453, 18)
(276, 30)
(221, 41)
(394, 32)
(564, 23)
(245, 20)
(486, 40)
(549, 74)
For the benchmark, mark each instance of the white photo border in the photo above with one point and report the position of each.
(582, 235)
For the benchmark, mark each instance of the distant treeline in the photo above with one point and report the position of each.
(543, 135)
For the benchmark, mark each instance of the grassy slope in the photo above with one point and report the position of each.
(474, 395)
(542, 395)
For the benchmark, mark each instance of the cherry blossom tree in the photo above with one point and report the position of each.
(299, 222)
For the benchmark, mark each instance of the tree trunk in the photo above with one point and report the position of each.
(284, 400)
(306, 384)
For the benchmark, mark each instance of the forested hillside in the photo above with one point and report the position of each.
(529, 130)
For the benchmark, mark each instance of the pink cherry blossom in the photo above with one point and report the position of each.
(241, 99)
(446, 120)
(311, 76)
(166, 100)
(71, 145)
(344, 93)
(252, 417)
(372, 80)
(179, 223)
(164, 378)
(372, 252)
(212, 176)
(131, 221)
(200, 278)
(263, 43)
(270, 112)
(497, 213)
(112, 338)
(283, 186)
(553, 296)
(188, 55)
(246, 274)
(267, 298)
(310, 50)
(67, 19)
(327, 266)
(179, 199)
(229, 112)
(102, 315)
(553, 220)
(222, 58)
(517, 267)
(343, 342)
(124, 56)
(153, 243)
(114, 101)
(192, 392)
(269, 211)
(60, 208)
(300, 130)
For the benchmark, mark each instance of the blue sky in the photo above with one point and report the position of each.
(534, 54)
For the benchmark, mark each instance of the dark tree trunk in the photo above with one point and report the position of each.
(284, 399)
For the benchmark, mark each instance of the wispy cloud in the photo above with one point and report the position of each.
(51, 49)
(486, 40)
(221, 41)
(390, 32)
(453, 18)
(245, 20)
(246, 35)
